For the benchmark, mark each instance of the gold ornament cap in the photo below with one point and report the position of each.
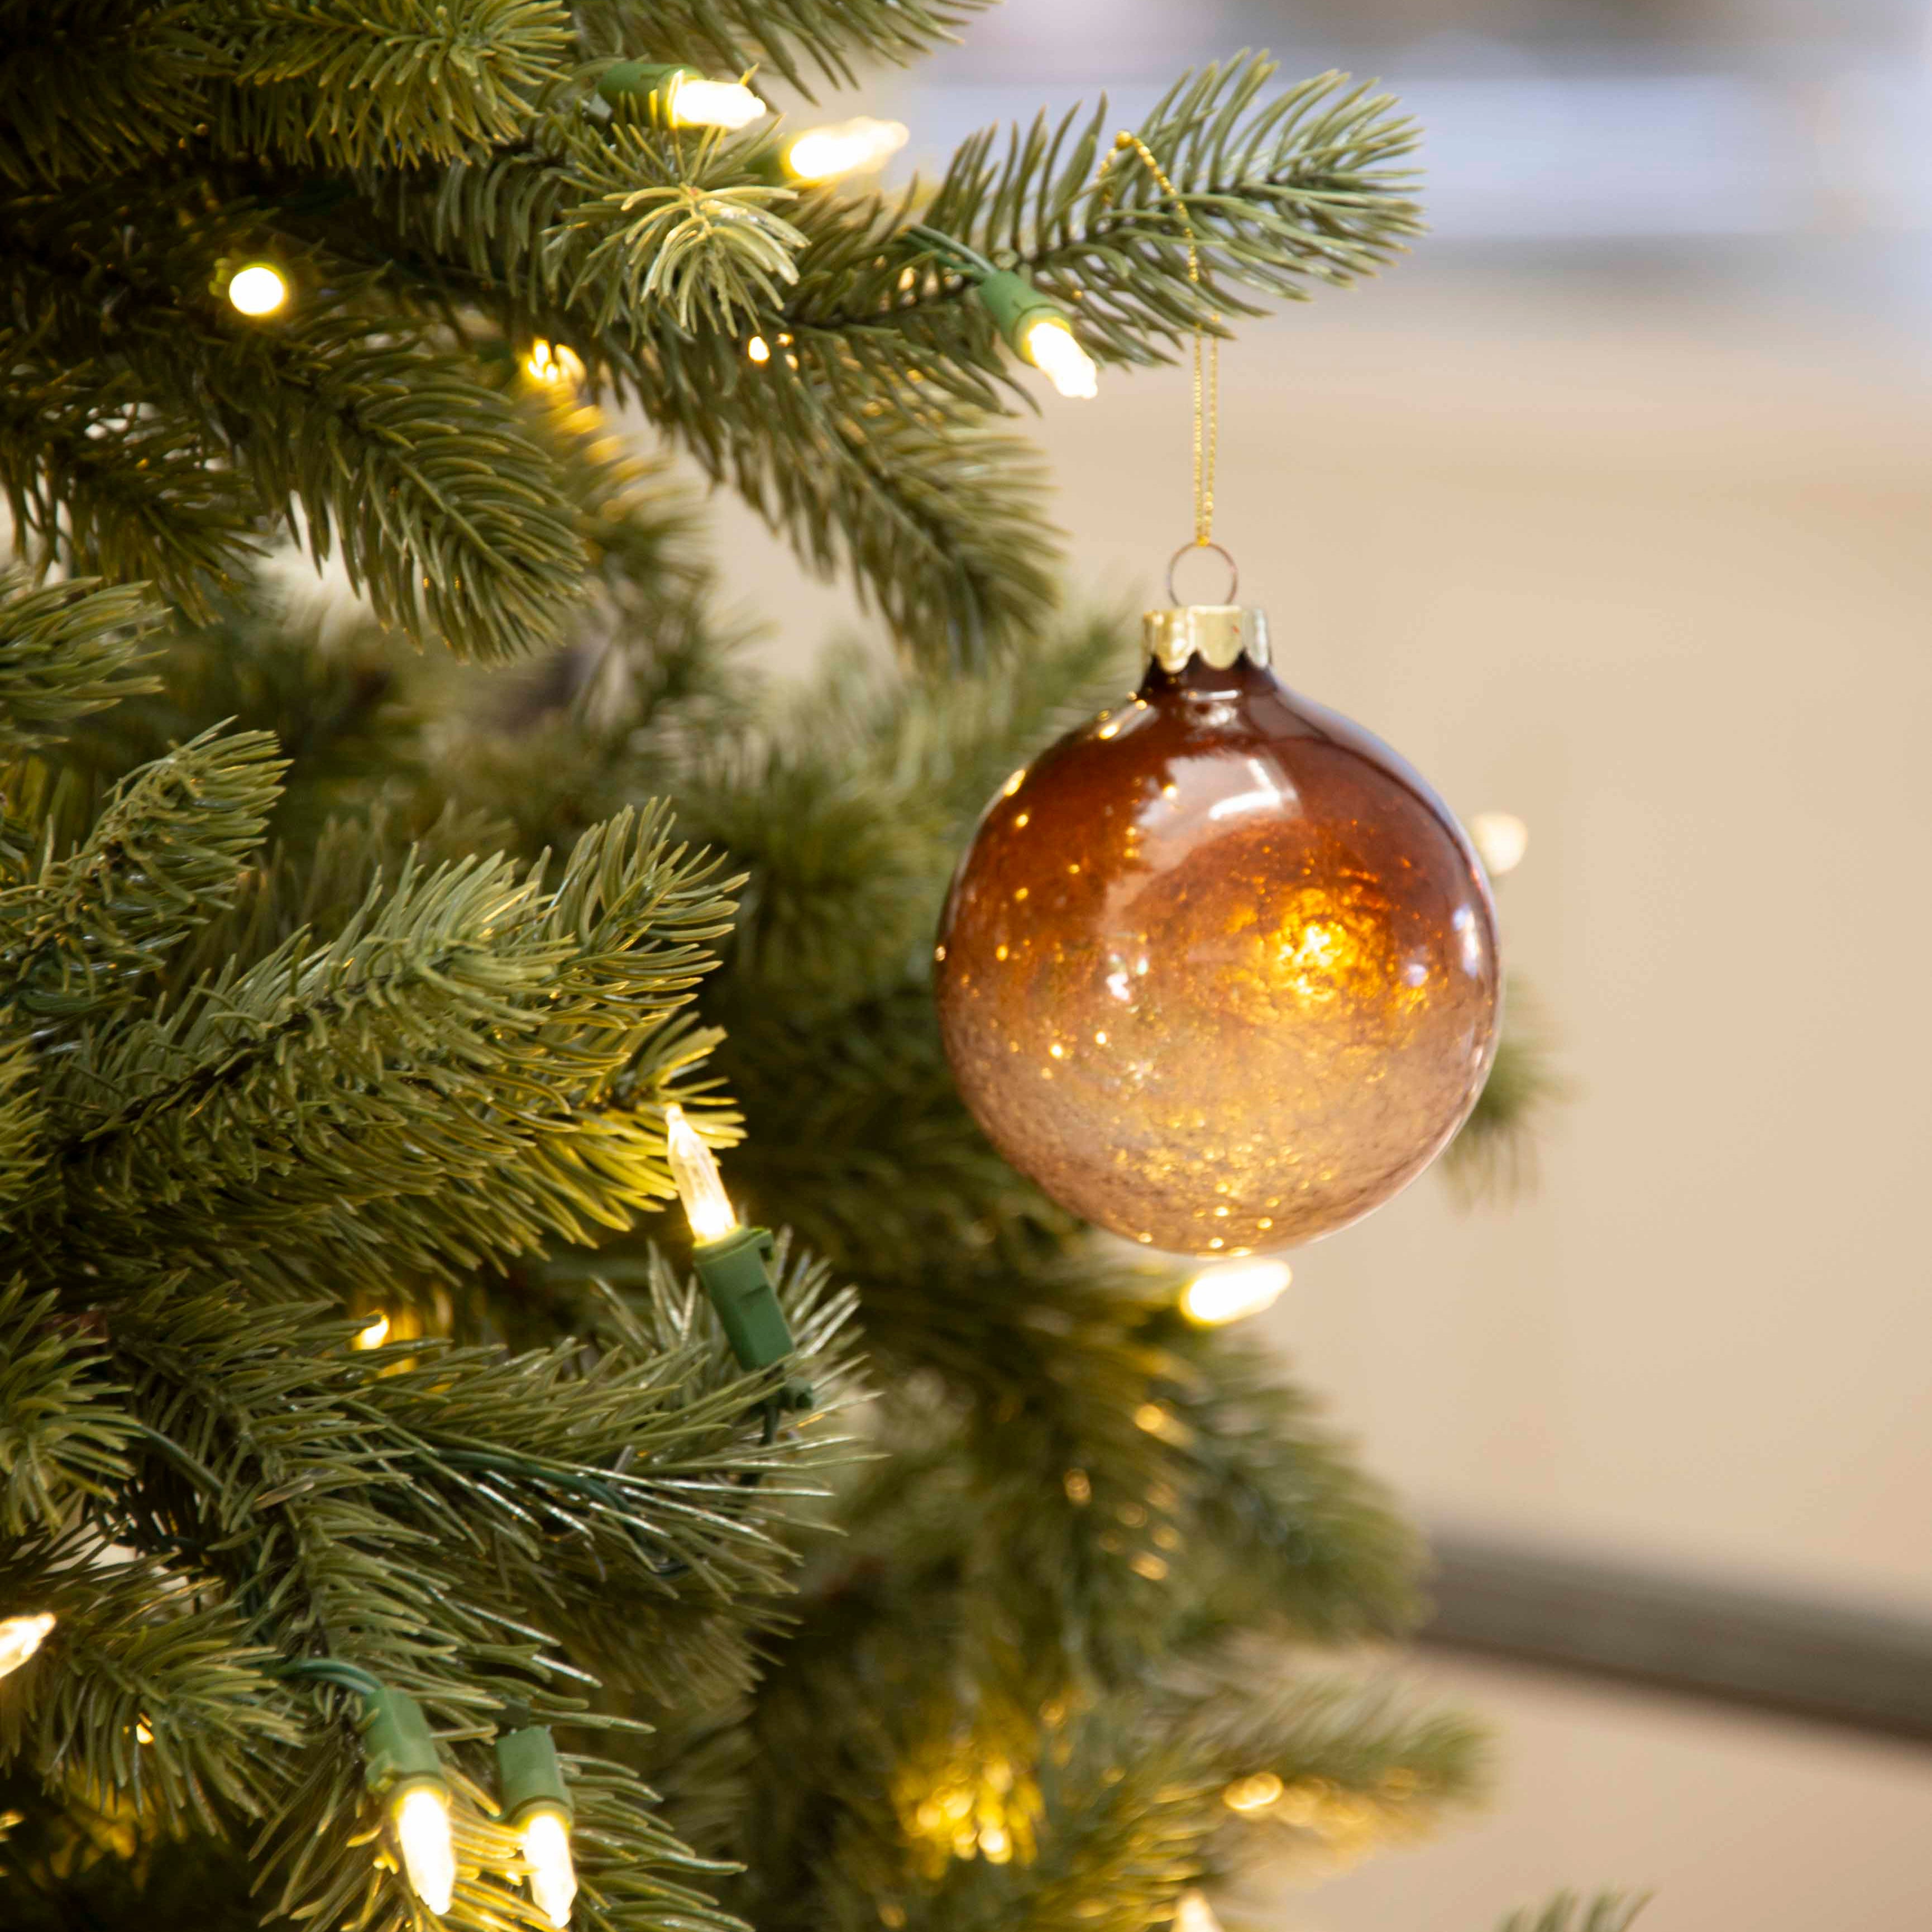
(1217, 634)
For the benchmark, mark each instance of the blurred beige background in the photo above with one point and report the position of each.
(1731, 1823)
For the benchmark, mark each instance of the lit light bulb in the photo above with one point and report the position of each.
(1501, 838)
(551, 364)
(422, 1816)
(1237, 1288)
(1192, 1913)
(847, 148)
(695, 102)
(546, 1846)
(1052, 348)
(257, 289)
(374, 1335)
(711, 1215)
(1253, 1794)
(20, 1637)
(758, 349)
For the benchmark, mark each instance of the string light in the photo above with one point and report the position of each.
(1034, 324)
(700, 1185)
(1501, 839)
(546, 1848)
(697, 103)
(553, 365)
(974, 1803)
(1233, 1290)
(685, 98)
(259, 288)
(1253, 1794)
(537, 1804)
(401, 1763)
(1051, 347)
(758, 349)
(733, 1262)
(420, 1814)
(1192, 1913)
(846, 148)
(374, 1335)
(21, 1636)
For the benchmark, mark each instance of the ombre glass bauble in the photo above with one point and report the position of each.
(1219, 969)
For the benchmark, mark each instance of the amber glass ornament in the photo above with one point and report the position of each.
(1219, 969)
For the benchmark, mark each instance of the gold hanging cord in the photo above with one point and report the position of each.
(1207, 374)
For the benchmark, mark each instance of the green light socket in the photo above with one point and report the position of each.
(397, 1747)
(1013, 301)
(736, 1275)
(528, 1773)
(634, 80)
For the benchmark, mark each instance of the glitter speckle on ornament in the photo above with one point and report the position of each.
(1219, 969)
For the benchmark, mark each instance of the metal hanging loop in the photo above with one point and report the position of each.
(1189, 550)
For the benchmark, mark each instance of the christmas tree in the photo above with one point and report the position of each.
(396, 1529)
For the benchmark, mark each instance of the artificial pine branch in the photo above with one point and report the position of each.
(452, 1041)
(294, 1480)
(22, 1150)
(135, 93)
(344, 83)
(1305, 1537)
(152, 1700)
(866, 442)
(838, 38)
(68, 650)
(874, 775)
(147, 430)
(1608, 1911)
(670, 223)
(79, 933)
(1493, 1154)
(106, 478)
(655, 254)
(62, 1436)
(1303, 187)
(428, 483)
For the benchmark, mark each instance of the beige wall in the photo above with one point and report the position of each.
(1658, 577)
(1735, 1822)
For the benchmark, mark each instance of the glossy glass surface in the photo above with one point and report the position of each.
(1219, 969)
